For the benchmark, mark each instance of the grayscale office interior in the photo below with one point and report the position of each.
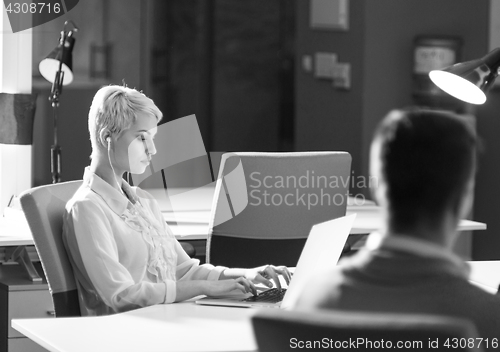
(261, 76)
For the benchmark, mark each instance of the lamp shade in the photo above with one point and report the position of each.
(63, 54)
(468, 81)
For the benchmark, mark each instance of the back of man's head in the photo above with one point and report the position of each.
(426, 161)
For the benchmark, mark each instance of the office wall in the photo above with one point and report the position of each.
(73, 136)
(379, 46)
(391, 26)
(118, 23)
(329, 119)
(156, 47)
(486, 246)
(401, 21)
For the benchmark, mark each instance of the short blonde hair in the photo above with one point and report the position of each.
(115, 108)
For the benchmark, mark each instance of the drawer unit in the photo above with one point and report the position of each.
(23, 344)
(21, 298)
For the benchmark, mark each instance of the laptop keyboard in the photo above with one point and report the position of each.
(273, 295)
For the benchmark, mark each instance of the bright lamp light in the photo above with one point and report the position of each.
(468, 81)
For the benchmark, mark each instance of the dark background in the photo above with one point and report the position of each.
(238, 66)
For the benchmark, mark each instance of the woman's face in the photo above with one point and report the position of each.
(133, 148)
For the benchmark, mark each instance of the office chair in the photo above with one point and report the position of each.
(282, 330)
(44, 208)
(265, 204)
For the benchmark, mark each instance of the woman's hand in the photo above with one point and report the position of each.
(264, 274)
(224, 287)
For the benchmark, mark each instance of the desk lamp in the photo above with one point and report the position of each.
(468, 81)
(56, 68)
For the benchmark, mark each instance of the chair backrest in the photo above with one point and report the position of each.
(282, 330)
(265, 204)
(44, 209)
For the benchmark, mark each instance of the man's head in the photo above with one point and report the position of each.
(425, 162)
(113, 110)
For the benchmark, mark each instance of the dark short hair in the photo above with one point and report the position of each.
(427, 158)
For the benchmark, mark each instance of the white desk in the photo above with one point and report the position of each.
(486, 274)
(174, 327)
(367, 221)
(14, 230)
(188, 212)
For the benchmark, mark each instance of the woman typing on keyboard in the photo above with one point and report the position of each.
(124, 255)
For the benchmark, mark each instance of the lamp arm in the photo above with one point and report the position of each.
(57, 85)
(75, 28)
(65, 42)
(492, 59)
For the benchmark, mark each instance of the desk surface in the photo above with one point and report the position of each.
(187, 211)
(367, 220)
(485, 274)
(173, 327)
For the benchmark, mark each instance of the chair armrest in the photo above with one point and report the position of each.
(188, 248)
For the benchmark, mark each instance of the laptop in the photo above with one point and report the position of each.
(322, 249)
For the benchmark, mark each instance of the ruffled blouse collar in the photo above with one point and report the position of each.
(162, 259)
(113, 198)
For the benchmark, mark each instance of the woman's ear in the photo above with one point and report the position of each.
(104, 137)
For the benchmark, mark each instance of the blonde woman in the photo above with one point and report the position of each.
(123, 254)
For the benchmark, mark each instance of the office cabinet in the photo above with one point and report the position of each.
(21, 298)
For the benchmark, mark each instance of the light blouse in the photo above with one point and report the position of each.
(124, 255)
